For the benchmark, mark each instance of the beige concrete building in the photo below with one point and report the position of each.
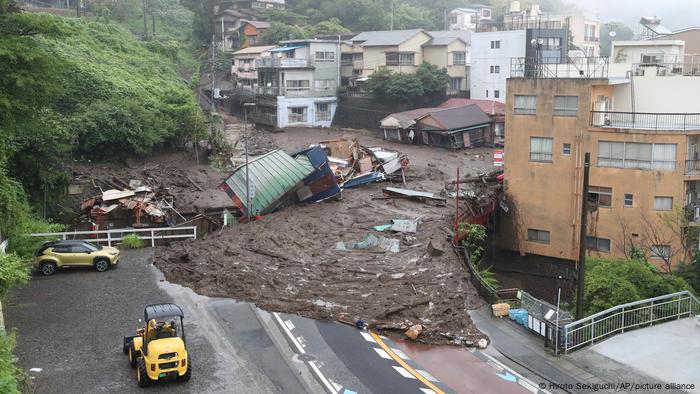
(403, 51)
(645, 165)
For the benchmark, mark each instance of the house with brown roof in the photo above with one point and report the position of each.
(455, 128)
(496, 110)
(251, 32)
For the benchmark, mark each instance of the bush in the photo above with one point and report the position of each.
(8, 371)
(13, 271)
(474, 237)
(615, 282)
(132, 241)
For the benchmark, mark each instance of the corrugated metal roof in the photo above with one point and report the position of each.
(385, 38)
(491, 107)
(284, 49)
(273, 175)
(254, 50)
(460, 117)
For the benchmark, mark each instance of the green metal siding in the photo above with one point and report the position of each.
(273, 175)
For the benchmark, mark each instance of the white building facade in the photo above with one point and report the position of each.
(491, 54)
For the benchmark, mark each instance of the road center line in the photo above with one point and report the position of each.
(407, 367)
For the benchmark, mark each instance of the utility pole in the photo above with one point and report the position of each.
(145, 21)
(582, 237)
(247, 175)
(153, 22)
(77, 8)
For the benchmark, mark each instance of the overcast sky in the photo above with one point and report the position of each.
(674, 14)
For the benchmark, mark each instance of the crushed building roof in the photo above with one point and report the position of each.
(459, 118)
(272, 176)
(385, 37)
(491, 107)
(405, 119)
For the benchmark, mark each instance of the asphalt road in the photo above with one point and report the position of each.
(71, 326)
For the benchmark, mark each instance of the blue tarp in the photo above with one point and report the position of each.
(320, 184)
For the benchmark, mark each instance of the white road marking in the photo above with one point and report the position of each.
(401, 354)
(528, 386)
(494, 366)
(321, 378)
(524, 382)
(367, 337)
(427, 391)
(382, 353)
(336, 386)
(301, 341)
(427, 375)
(404, 373)
(289, 324)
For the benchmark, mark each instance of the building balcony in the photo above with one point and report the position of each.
(666, 69)
(559, 67)
(273, 62)
(646, 121)
(692, 168)
(591, 39)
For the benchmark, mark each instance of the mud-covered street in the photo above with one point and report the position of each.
(301, 259)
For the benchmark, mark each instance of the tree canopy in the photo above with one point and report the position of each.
(428, 80)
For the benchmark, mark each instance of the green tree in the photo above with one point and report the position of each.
(280, 32)
(622, 32)
(613, 282)
(329, 27)
(433, 79)
(408, 16)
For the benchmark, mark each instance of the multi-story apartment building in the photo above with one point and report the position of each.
(642, 133)
(243, 67)
(297, 84)
(493, 53)
(584, 29)
(404, 51)
(468, 18)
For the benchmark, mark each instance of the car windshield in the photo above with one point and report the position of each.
(92, 247)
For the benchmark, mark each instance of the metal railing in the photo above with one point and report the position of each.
(116, 235)
(264, 118)
(274, 62)
(645, 120)
(559, 67)
(666, 69)
(692, 167)
(629, 316)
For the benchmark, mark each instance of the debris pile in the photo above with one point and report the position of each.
(355, 165)
(278, 179)
(351, 259)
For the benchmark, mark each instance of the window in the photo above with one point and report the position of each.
(538, 236)
(294, 85)
(456, 84)
(486, 13)
(589, 33)
(325, 57)
(297, 114)
(637, 155)
(495, 44)
(495, 69)
(252, 40)
(661, 252)
(599, 244)
(652, 58)
(565, 105)
(78, 249)
(663, 203)
(323, 111)
(487, 93)
(453, 20)
(61, 249)
(600, 196)
(459, 58)
(524, 105)
(496, 94)
(551, 43)
(346, 59)
(566, 150)
(629, 200)
(400, 58)
(324, 84)
(540, 149)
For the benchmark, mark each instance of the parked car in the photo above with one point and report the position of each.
(58, 254)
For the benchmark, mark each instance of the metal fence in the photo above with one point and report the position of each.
(692, 167)
(559, 67)
(629, 316)
(646, 120)
(666, 69)
(112, 236)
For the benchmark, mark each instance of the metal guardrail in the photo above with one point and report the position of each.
(629, 316)
(645, 120)
(555, 67)
(692, 167)
(666, 69)
(118, 234)
(273, 62)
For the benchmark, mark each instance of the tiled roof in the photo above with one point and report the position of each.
(385, 38)
(491, 107)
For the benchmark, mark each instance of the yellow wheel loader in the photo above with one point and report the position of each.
(157, 349)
